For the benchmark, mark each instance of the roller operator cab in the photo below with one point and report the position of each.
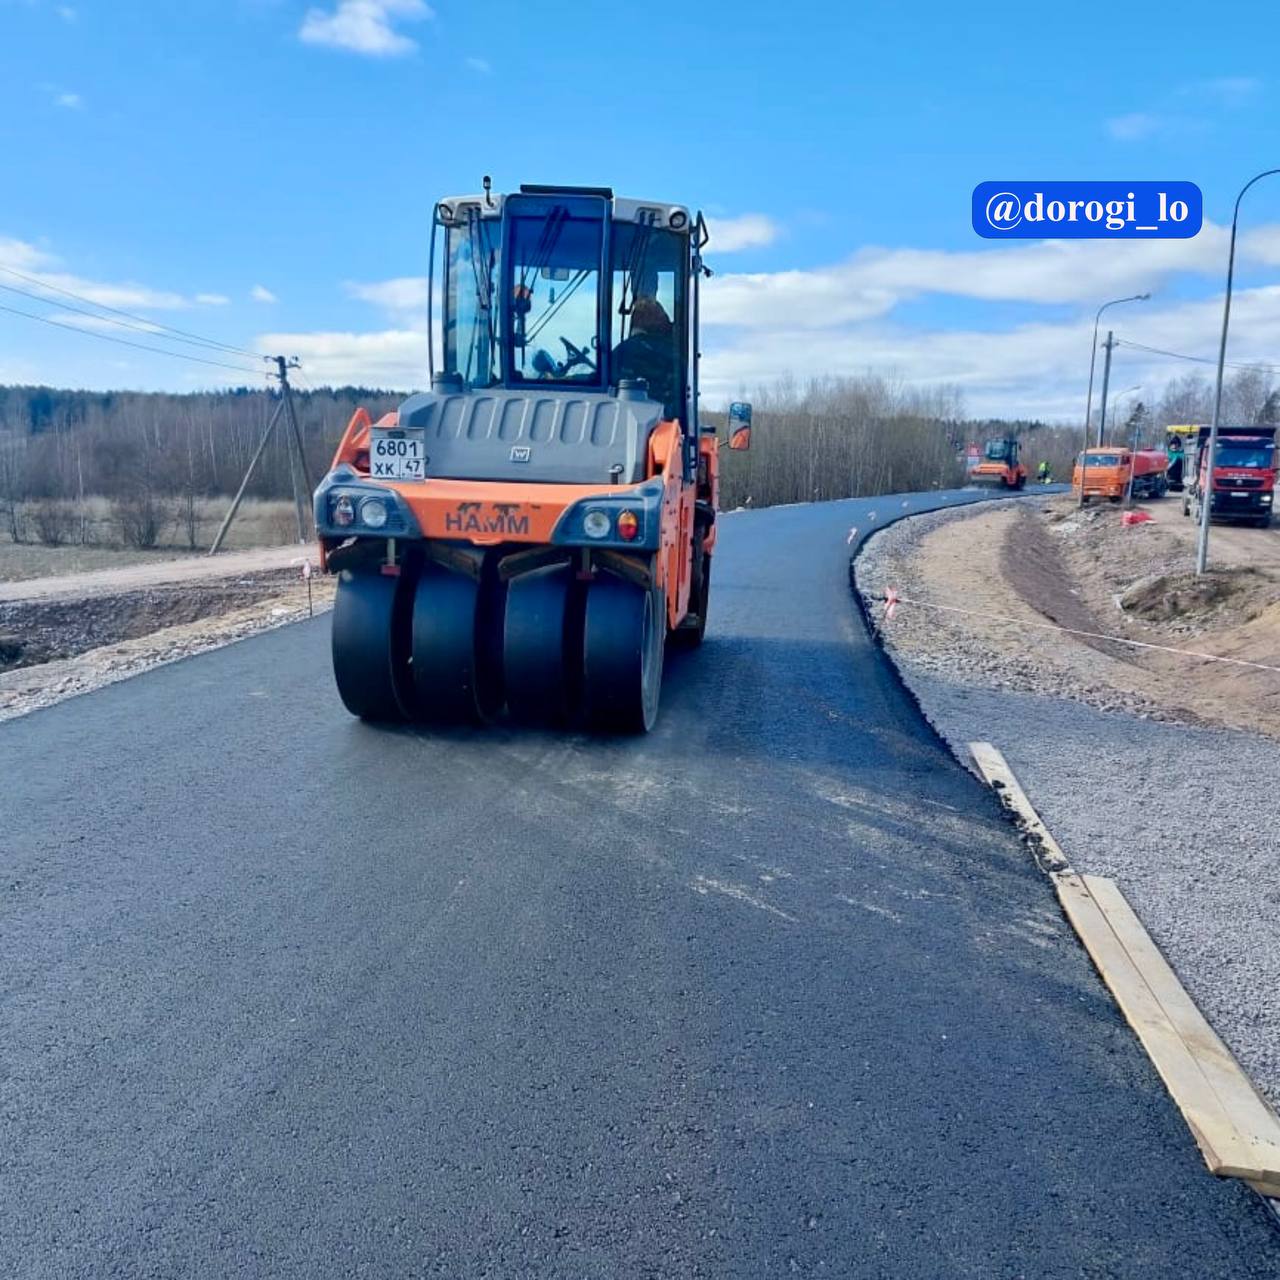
(530, 533)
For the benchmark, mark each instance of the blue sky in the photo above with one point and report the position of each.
(262, 172)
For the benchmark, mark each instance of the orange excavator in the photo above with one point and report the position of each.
(528, 535)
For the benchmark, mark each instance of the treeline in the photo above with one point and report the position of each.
(844, 437)
(153, 456)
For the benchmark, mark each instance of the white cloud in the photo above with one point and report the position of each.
(748, 231)
(874, 281)
(20, 255)
(99, 324)
(71, 101)
(403, 296)
(260, 293)
(482, 65)
(1188, 109)
(1135, 127)
(364, 26)
(212, 299)
(67, 13)
(1032, 370)
(1230, 91)
(394, 358)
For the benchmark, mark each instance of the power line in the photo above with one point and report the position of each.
(1178, 355)
(128, 315)
(145, 326)
(125, 342)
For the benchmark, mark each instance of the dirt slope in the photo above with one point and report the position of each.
(1017, 569)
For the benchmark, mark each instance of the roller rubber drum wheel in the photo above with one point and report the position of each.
(370, 640)
(542, 646)
(453, 682)
(624, 639)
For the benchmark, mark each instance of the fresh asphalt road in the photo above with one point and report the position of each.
(772, 991)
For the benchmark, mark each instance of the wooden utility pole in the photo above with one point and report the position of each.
(1109, 346)
(297, 457)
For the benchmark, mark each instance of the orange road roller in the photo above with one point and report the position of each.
(528, 536)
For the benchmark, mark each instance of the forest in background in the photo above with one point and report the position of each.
(139, 468)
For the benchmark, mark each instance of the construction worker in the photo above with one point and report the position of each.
(1043, 474)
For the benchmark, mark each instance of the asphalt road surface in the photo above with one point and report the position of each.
(772, 991)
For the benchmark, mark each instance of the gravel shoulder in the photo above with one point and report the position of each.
(111, 576)
(1149, 768)
(53, 648)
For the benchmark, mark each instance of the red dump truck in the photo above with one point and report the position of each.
(1107, 473)
(1244, 475)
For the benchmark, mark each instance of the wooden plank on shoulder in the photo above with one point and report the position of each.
(995, 768)
(1255, 1151)
(1200, 1106)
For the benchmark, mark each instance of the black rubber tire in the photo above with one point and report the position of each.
(370, 643)
(1020, 482)
(690, 637)
(624, 640)
(452, 681)
(542, 646)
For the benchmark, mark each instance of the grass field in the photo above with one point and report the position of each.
(258, 524)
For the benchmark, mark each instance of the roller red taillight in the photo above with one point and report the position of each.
(628, 526)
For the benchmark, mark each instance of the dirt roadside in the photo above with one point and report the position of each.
(1017, 572)
(60, 644)
(152, 573)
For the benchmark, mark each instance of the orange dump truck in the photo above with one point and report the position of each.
(1107, 472)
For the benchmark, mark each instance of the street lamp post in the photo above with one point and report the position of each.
(1206, 497)
(1093, 360)
(1128, 486)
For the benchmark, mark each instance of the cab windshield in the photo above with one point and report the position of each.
(997, 450)
(1240, 455)
(1102, 460)
(554, 300)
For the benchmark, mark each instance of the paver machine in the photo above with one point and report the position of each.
(530, 533)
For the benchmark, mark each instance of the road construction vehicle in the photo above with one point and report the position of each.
(1244, 475)
(529, 533)
(1000, 465)
(1179, 441)
(1108, 473)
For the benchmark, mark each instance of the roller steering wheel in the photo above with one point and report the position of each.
(574, 356)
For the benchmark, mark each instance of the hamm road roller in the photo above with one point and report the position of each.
(528, 535)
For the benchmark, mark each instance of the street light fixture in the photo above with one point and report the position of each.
(1206, 499)
(1093, 360)
(1128, 391)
